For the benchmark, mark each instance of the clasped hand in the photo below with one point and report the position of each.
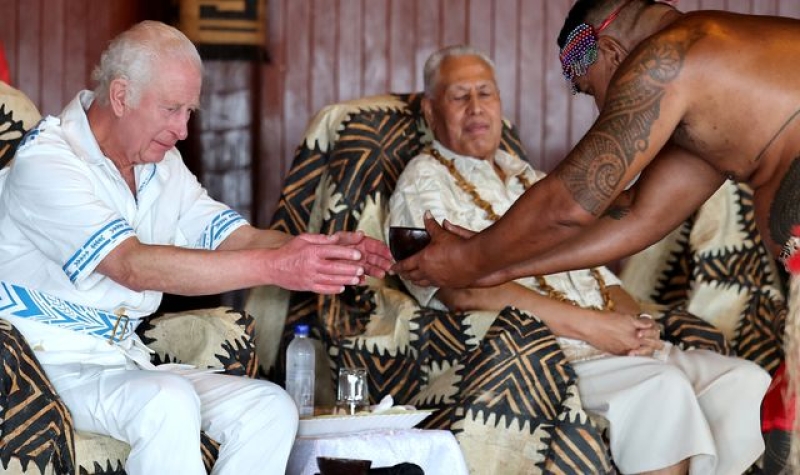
(624, 334)
(326, 264)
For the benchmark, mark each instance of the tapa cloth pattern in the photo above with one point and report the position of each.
(497, 376)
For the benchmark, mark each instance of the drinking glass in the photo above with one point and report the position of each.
(352, 392)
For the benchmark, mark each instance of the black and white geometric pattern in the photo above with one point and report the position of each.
(716, 266)
(498, 377)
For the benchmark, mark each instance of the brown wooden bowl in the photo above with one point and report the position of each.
(404, 242)
(343, 466)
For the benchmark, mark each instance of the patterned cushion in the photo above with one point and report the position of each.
(35, 426)
(17, 115)
(217, 337)
(518, 397)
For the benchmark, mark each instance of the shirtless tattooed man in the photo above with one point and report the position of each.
(686, 101)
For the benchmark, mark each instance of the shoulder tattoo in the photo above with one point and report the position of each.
(596, 166)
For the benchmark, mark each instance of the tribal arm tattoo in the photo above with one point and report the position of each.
(593, 171)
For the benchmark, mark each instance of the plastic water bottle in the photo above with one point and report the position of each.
(300, 371)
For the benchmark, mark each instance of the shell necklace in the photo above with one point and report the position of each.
(472, 191)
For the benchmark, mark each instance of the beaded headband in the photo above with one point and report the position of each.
(580, 50)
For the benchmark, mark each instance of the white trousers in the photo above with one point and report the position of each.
(694, 404)
(160, 415)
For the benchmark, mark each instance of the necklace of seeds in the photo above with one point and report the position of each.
(472, 191)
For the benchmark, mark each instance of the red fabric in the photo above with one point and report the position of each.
(793, 261)
(5, 74)
(776, 412)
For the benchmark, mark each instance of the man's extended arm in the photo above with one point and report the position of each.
(655, 206)
(375, 257)
(248, 258)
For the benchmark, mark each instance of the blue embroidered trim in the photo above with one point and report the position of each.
(219, 229)
(24, 303)
(88, 253)
(31, 135)
(147, 180)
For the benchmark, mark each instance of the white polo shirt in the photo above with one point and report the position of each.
(64, 206)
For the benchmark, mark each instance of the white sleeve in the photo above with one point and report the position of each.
(52, 200)
(204, 222)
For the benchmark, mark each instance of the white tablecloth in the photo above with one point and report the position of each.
(436, 451)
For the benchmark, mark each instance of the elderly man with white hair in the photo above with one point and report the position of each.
(99, 216)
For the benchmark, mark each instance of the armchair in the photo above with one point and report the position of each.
(497, 380)
(36, 431)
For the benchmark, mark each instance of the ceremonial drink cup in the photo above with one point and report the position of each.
(405, 241)
(352, 393)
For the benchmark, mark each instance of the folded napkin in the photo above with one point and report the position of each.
(387, 404)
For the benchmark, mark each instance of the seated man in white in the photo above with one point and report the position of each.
(99, 216)
(669, 410)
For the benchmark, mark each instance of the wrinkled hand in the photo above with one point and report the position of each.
(440, 263)
(318, 263)
(649, 338)
(623, 334)
(375, 255)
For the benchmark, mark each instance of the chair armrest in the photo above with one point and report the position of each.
(206, 338)
(688, 331)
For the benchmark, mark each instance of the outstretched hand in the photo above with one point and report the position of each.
(375, 255)
(442, 262)
(313, 262)
(325, 264)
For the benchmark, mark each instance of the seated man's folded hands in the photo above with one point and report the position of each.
(617, 331)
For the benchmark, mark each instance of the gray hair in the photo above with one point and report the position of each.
(431, 71)
(135, 54)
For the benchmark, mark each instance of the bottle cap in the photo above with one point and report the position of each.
(301, 329)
